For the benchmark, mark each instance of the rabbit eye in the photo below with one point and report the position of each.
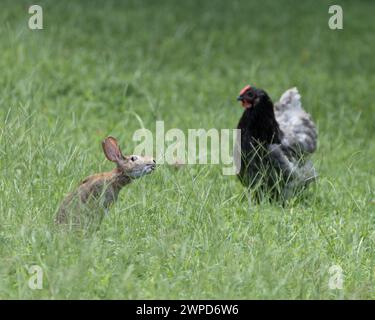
(134, 158)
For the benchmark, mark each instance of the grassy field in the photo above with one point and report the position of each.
(97, 68)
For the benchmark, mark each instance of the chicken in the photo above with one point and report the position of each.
(275, 142)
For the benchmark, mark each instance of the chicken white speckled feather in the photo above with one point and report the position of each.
(296, 124)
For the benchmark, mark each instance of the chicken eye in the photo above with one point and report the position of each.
(134, 158)
(250, 94)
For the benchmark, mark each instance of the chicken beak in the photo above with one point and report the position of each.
(239, 98)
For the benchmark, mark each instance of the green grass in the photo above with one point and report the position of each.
(188, 233)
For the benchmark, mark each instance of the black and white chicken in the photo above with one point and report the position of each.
(275, 143)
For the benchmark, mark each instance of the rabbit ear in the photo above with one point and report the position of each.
(111, 149)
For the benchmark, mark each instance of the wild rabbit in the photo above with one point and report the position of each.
(86, 206)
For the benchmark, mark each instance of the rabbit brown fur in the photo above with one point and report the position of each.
(86, 206)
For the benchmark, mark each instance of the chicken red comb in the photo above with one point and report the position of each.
(245, 89)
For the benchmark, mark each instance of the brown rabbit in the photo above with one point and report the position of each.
(86, 206)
